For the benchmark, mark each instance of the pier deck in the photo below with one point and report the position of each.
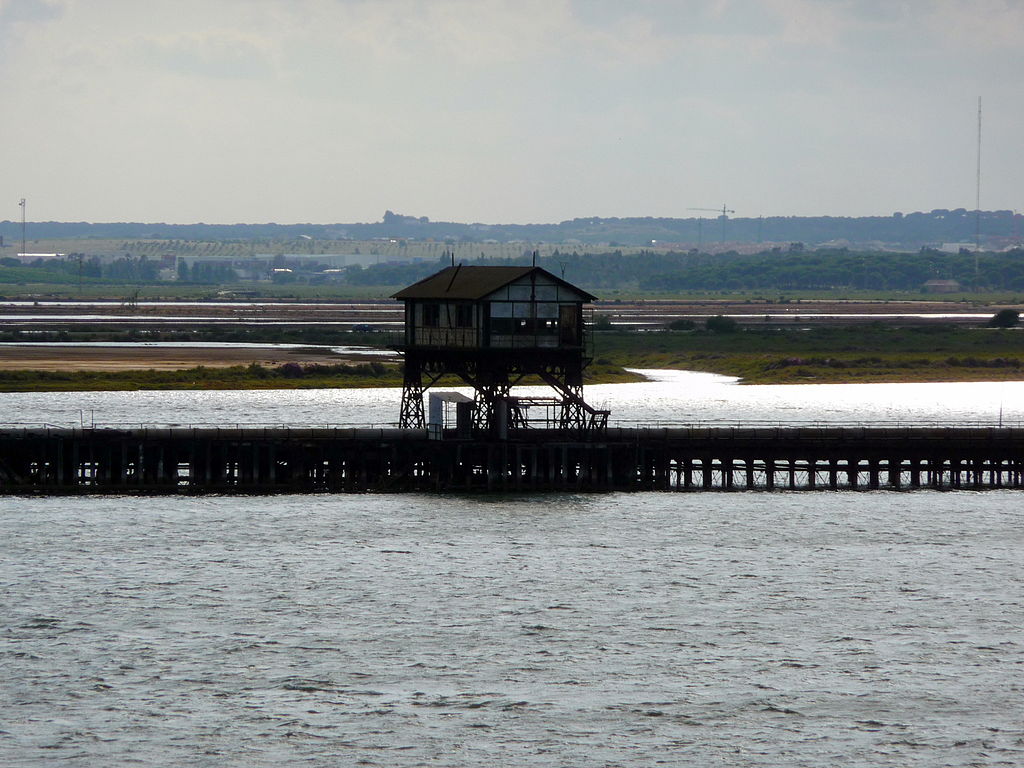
(359, 460)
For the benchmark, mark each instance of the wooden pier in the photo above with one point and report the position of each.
(351, 460)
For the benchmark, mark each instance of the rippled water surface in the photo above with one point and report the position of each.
(746, 629)
(670, 396)
(779, 629)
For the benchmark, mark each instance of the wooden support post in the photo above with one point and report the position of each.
(895, 473)
(74, 469)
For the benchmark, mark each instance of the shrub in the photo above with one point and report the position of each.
(721, 324)
(291, 371)
(1004, 318)
(682, 324)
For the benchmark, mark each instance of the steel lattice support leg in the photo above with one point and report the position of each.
(572, 407)
(411, 415)
(489, 398)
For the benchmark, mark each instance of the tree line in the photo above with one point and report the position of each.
(126, 269)
(794, 269)
(777, 269)
(905, 229)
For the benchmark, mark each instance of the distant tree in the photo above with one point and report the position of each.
(721, 324)
(1004, 318)
(682, 324)
(92, 268)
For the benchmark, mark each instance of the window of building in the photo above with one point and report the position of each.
(501, 325)
(464, 316)
(432, 315)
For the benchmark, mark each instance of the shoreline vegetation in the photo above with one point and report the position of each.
(253, 376)
(875, 352)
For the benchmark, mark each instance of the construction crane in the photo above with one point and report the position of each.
(724, 214)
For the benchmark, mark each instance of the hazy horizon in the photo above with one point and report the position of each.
(711, 216)
(498, 112)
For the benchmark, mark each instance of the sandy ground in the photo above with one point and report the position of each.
(61, 358)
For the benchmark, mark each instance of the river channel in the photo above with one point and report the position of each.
(738, 629)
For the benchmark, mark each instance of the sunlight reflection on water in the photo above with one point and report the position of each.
(680, 397)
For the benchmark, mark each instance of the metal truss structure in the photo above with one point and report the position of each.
(493, 373)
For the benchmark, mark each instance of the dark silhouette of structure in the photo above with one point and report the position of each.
(357, 460)
(493, 327)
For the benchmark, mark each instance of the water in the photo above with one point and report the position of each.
(628, 630)
(671, 397)
(746, 629)
(37, 320)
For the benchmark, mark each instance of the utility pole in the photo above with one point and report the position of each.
(22, 204)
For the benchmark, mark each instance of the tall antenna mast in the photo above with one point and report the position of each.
(22, 204)
(977, 198)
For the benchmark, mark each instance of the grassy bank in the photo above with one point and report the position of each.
(829, 354)
(107, 291)
(288, 376)
(875, 352)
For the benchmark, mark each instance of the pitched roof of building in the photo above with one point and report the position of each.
(471, 283)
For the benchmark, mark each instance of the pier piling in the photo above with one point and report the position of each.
(354, 460)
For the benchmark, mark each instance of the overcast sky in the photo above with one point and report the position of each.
(505, 111)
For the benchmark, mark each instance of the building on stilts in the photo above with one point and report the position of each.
(497, 327)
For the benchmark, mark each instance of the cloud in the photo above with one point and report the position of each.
(221, 55)
(985, 24)
(16, 12)
(493, 109)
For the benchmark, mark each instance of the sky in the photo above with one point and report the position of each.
(506, 111)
